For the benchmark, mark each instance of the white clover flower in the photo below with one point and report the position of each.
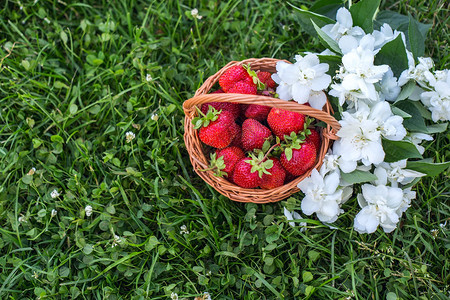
(148, 77)
(117, 240)
(343, 26)
(184, 229)
(360, 138)
(395, 173)
(360, 72)
(294, 215)
(174, 296)
(22, 219)
(195, 14)
(32, 171)
(129, 136)
(54, 212)
(438, 100)
(55, 194)
(206, 296)
(88, 210)
(379, 207)
(322, 196)
(154, 117)
(389, 87)
(297, 81)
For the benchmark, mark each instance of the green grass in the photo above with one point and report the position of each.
(73, 82)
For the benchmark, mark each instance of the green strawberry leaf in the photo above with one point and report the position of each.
(288, 153)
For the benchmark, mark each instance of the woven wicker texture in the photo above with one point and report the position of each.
(196, 149)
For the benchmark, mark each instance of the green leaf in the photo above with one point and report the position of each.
(26, 64)
(305, 18)
(427, 167)
(27, 179)
(63, 36)
(57, 139)
(398, 150)
(73, 108)
(152, 242)
(416, 38)
(399, 22)
(437, 128)
(394, 55)
(406, 91)
(288, 153)
(391, 296)
(333, 61)
(397, 111)
(326, 40)
(307, 276)
(363, 14)
(358, 176)
(416, 122)
(327, 8)
(87, 249)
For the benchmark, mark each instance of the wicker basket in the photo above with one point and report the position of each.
(196, 149)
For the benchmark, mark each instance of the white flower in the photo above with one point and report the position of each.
(184, 229)
(390, 125)
(129, 136)
(408, 195)
(379, 207)
(343, 26)
(333, 162)
(294, 216)
(420, 73)
(317, 99)
(360, 138)
(438, 100)
(395, 173)
(206, 296)
(32, 171)
(154, 117)
(296, 81)
(351, 97)
(389, 87)
(22, 219)
(417, 138)
(54, 212)
(322, 196)
(174, 296)
(148, 77)
(195, 14)
(117, 240)
(360, 72)
(88, 210)
(54, 194)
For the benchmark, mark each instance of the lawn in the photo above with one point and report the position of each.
(91, 97)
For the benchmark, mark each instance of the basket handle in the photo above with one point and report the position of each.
(190, 111)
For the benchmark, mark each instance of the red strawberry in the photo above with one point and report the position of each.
(257, 112)
(283, 122)
(234, 108)
(254, 134)
(217, 133)
(219, 91)
(301, 161)
(314, 138)
(236, 133)
(231, 155)
(266, 78)
(231, 76)
(276, 179)
(242, 175)
(243, 87)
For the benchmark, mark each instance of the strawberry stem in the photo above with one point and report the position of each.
(267, 153)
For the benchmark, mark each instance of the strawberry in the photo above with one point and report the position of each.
(242, 175)
(283, 122)
(215, 128)
(219, 91)
(314, 137)
(226, 160)
(234, 108)
(276, 177)
(254, 134)
(243, 87)
(266, 78)
(257, 112)
(236, 133)
(231, 76)
(299, 160)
